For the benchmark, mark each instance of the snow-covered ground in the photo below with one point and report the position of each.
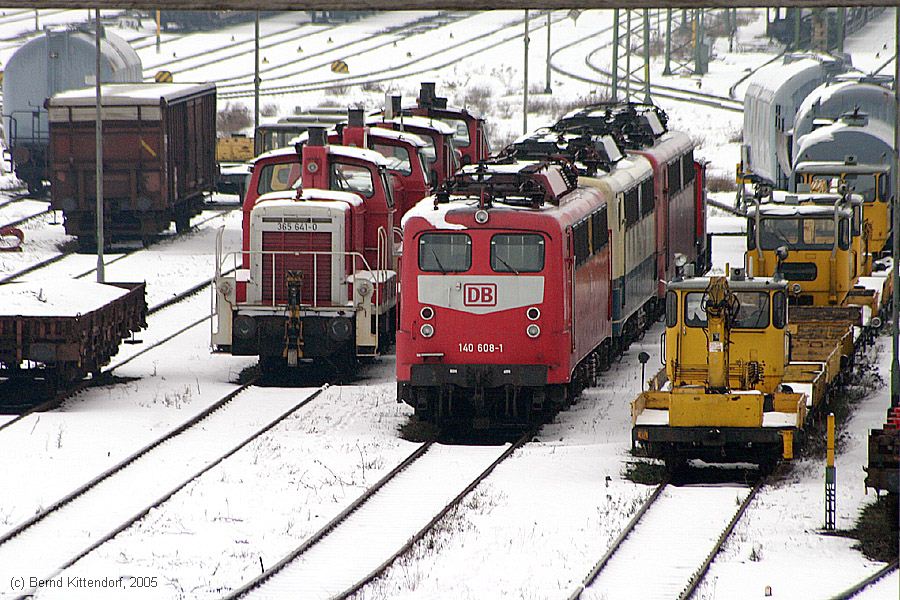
(542, 519)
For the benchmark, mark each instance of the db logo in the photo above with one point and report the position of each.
(480, 294)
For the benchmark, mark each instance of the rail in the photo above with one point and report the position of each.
(76, 496)
(873, 578)
(629, 527)
(698, 574)
(359, 505)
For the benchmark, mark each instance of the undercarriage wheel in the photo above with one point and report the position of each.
(182, 222)
(36, 188)
(675, 463)
(271, 364)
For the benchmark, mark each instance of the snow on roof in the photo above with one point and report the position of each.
(44, 298)
(789, 210)
(276, 152)
(359, 154)
(436, 216)
(435, 124)
(779, 76)
(333, 149)
(130, 94)
(877, 130)
(285, 197)
(393, 134)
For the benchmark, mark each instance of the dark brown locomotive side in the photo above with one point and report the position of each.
(158, 161)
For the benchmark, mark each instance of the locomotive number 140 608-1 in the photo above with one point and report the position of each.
(482, 348)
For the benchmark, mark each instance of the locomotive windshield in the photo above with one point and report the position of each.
(445, 252)
(517, 253)
(277, 177)
(352, 178)
(753, 312)
(397, 156)
(871, 186)
(799, 234)
(461, 135)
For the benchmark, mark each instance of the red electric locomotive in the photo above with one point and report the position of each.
(506, 294)
(678, 179)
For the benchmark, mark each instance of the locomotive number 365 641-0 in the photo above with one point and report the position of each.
(483, 348)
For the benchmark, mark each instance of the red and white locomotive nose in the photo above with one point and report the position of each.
(485, 335)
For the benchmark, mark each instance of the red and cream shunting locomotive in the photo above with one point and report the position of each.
(316, 279)
(503, 309)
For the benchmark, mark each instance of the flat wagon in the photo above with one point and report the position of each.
(159, 157)
(64, 332)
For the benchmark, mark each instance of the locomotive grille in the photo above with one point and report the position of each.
(316, 293)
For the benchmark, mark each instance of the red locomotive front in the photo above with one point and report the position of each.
(495, 282)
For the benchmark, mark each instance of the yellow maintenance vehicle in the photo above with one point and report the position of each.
(729, 391)
(748, 358)
(827, 261)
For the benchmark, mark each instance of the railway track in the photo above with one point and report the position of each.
(483, 42)
(868, 582)
(671, 538)
(658, 90)
(59, 535)
(391, 516)
(58, 257)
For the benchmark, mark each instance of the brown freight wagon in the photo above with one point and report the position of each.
(63, 331)
(159, 157)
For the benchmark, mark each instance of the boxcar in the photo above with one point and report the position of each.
(159, 157)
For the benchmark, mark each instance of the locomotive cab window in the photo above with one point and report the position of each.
(461, 135)
(445, 252)
(647, 199)
(398, 157)
(352, 178)
(632, 207)
(753, 310)
(277, 177)
(517, 253)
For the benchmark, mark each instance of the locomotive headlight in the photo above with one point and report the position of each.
(427, 330)
(796, 289)
(876, 322)
(533, 313)
(533, 330)
(244, 327)
(427, 313)
(481, 216)
(363, 288)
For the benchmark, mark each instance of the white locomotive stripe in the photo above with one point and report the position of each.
(480, 294)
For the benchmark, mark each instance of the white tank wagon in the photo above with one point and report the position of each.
(770, 105)
(58, 60)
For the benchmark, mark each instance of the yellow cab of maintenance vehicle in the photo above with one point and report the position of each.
(723, 394)
(820, 234)
(871, 182)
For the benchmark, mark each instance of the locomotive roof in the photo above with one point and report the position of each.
(393, 134)
(290, 197)
(413, 121)
(333, 149)
(130, 94)
(784, 198)
(790, 211)
(754, 284)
